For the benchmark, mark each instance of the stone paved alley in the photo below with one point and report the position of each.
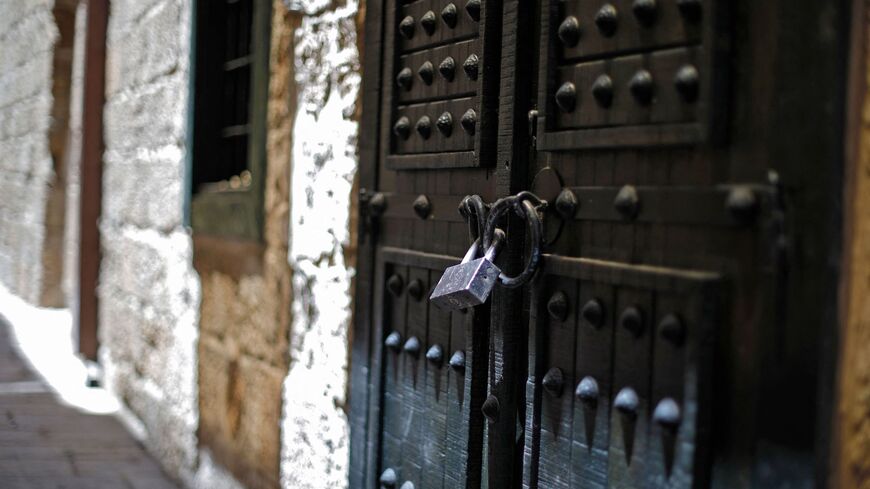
(47, 445)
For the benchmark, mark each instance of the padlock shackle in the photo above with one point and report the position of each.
(472, 252)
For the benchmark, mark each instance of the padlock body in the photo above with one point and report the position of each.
(465, 285)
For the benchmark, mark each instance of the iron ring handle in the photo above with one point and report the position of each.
(530, 214)
(503, 205)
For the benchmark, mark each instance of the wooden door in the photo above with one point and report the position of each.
(677, 333)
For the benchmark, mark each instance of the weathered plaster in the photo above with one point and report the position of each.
(314, 429)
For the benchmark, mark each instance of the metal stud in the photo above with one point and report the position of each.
(426, 73)
(412, 346)
(471, 66)
(667, 414)
(457, 361)
(424, 127)
(445, 124)
(448, 15)
(690, 9)
(671, 328)
(741, 203)
(607, 19)
(687, 83)
(402, 128)
(627, 202)
(593, 312)
(407, 485)
(415, 289)
(469, 121)
(645, 11)
(435, 355)
(641, 87)
(491, 408)
(405, 78)
(447, 68)
(393, 341)
(627, 402)
(587, 391)
(566, 97)
(429, 22)
(569, 31)
(602, 90)
(388, 479)
(557, 306)
(406, 27)
(566, 204)
(473, 9)
(554, 381)
(377, 204)
(422, 206)
(632, 320)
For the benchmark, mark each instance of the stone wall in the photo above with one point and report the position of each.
(327, 73)
(149, 294)
(246, 306)
(27, 38)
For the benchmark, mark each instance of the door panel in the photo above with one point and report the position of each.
(680, 146)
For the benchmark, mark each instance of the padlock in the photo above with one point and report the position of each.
(469, 283)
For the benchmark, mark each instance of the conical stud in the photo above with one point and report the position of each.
(422, 206)
(587, 391)
(627, 202)
(447, 68)
(631, 320)
(415, 289)
(426, 72)
(377, 205)
(607, 20)
(602, 90)
(687, 82)
(566, 204)
(641, 87)
(569, 31)
(407, 27)
(407, 485)
(473, 9)
(448, 15)
(457, 361)
(388, 479)
(491, 408)
(435, 355)
(671, 328)
(424, 127)
(393, 341)
(429, 22)
(667, 414)
(645, 11)
(395, 285)
(742, 203)
(554, 382)
(405, 78)
(557, 306)
(445, 124)
(412, 346)
(402, 128)
(566, 97)
(593, 312)
(627, 402)
(469, 121)
(471, 66)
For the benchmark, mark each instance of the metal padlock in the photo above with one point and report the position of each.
(469, 283)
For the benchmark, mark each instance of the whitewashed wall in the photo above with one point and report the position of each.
(315, 430)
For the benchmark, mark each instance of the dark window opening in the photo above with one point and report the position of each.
(231, 82)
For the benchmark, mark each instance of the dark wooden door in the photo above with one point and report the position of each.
(678, 331)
